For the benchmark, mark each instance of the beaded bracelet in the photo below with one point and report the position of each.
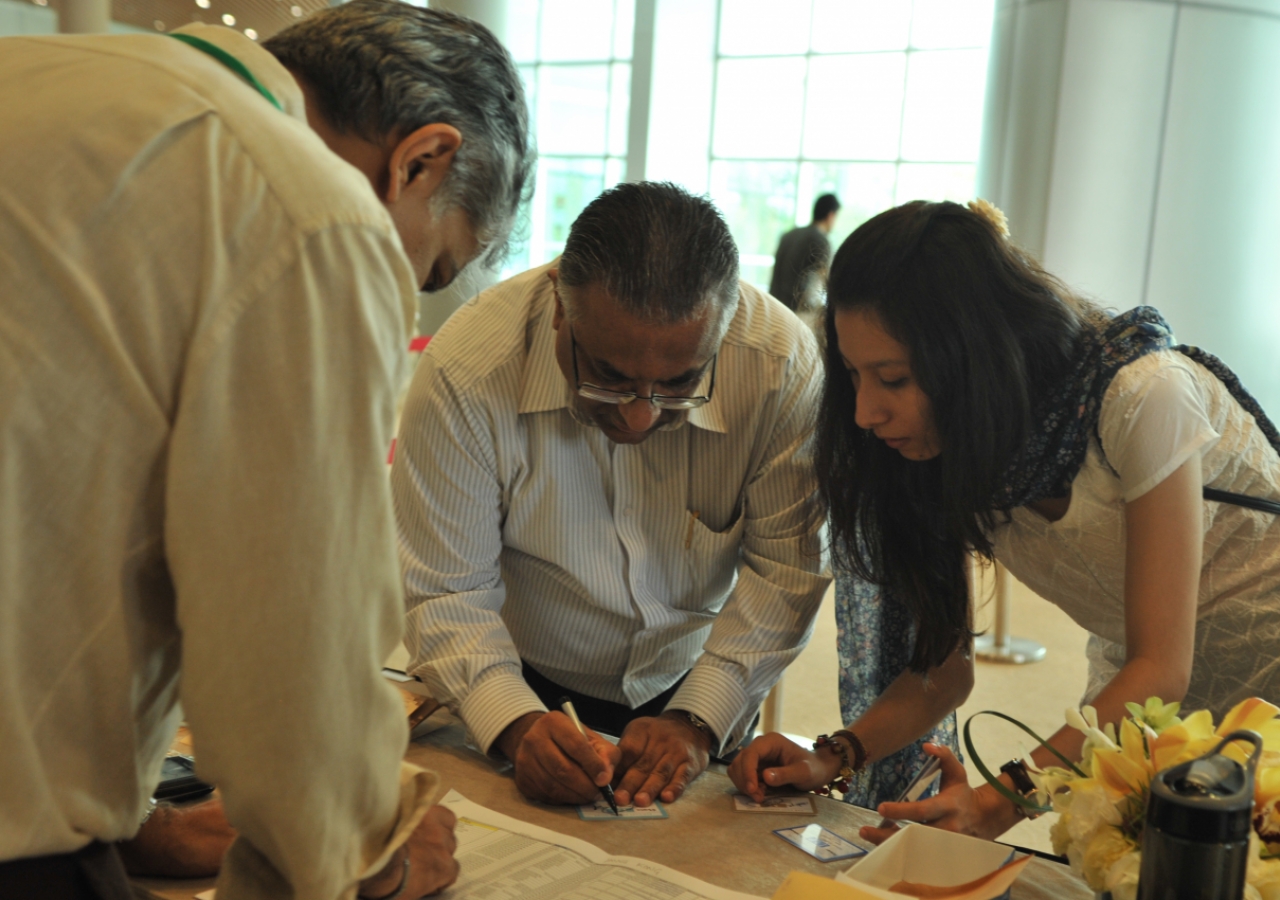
(841, 781)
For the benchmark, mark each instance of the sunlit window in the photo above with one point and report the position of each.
(574, 57)
(877, 101)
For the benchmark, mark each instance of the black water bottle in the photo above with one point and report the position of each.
(1195, 844)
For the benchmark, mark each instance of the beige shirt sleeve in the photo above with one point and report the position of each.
(281, 545)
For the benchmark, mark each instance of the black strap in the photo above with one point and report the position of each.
(1259, 503)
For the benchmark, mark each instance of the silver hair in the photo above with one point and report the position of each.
(663, 253)
(381, 69)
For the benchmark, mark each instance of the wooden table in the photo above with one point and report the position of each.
(702, 837)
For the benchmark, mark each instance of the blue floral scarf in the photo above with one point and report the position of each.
(1055, 451)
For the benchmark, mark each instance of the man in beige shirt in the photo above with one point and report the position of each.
(204, 312)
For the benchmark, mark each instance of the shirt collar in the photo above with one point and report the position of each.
(545, 387)
(265, 67)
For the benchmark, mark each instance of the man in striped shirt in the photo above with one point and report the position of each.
(602, 488)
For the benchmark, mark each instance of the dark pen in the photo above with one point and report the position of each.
(566, 706)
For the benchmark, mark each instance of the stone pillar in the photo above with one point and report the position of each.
(84, 16)
(1133, 145)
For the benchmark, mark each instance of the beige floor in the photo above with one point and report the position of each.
(1036, 694)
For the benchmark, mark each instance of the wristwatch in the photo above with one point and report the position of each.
(1023, 786)
(700, 725)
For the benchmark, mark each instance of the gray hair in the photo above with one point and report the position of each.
(661, 252)
(381, 69)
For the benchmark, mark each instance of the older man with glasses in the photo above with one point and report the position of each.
(603, 493)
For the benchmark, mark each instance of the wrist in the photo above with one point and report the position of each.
(703, 737)
(508, 742)
(390, 881)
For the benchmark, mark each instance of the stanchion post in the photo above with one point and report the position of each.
(999, 645)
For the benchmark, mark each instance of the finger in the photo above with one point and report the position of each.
(632, 744)
(609, 754)
(679, 781)
(920, 811)
(953, 771)
(633, 778)
(442, 816)
(798, 774)
(578, 748)
(744, 773)
(877, 835)
(658, 778)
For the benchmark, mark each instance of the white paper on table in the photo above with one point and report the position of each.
(509, 860)
(206, 895)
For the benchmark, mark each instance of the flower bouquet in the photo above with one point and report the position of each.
(1101, 801)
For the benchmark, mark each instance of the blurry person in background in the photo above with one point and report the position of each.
(802, 259)
(210, 253)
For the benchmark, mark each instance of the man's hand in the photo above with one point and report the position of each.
(660, 756)
(775, 761)
(979, 812)
(179, 842)
(432, 867)
(553, 762)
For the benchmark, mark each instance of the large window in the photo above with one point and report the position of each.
(574, 56)
(877, 101)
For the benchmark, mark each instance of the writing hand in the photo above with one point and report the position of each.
(660, 756)
(772, 760)
(980, 812)
(553, 762)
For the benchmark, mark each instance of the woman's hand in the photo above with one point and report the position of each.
(980, 812)
(775, 761)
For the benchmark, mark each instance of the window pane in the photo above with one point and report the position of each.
(763, 27)
(918, 181)
(624, 26)
(573, 102)
(565, 187)
(615, 171)
(849, 26)
(758, 107)
(522, 30)
(951, 23)
(863, 189)
(529, 78)
(855, 106)
(758, 201)
(942, 119)
(619, 107)
(576, 30)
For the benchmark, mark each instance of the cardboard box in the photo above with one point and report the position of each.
(925, 855)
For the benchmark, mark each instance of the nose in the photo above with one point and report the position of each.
(639, 415)
(870, 412)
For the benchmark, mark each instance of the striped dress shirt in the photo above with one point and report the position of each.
(611, 569)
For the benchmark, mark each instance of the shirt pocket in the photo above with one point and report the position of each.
(712, 558)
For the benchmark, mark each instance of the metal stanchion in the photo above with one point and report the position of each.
(999, 646)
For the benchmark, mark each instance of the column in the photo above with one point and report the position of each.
(1132, 144)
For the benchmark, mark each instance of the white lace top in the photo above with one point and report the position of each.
(1159, 411)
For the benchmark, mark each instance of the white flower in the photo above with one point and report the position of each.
(1122, 877)
(1085, 720)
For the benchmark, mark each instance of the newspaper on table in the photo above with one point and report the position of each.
(505, 859)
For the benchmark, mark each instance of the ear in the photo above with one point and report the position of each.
(419, 163)
(558, 316)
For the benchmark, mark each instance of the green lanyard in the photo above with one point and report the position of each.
(231, 63)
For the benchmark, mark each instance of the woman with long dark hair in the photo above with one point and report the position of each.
(975, 405)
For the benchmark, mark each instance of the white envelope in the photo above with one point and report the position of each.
(925, 855)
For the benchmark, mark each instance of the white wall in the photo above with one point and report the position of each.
(1135, 145)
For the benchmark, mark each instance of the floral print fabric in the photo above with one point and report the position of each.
(874, 639)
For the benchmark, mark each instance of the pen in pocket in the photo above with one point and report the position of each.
(688, 538)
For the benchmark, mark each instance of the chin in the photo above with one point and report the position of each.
(626, 437)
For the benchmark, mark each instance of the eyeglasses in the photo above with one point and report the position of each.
(620, 398)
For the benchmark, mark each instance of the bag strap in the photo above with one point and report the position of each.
(1259, 503)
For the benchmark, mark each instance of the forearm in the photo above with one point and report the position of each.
(912, 705)
(1134, 683)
